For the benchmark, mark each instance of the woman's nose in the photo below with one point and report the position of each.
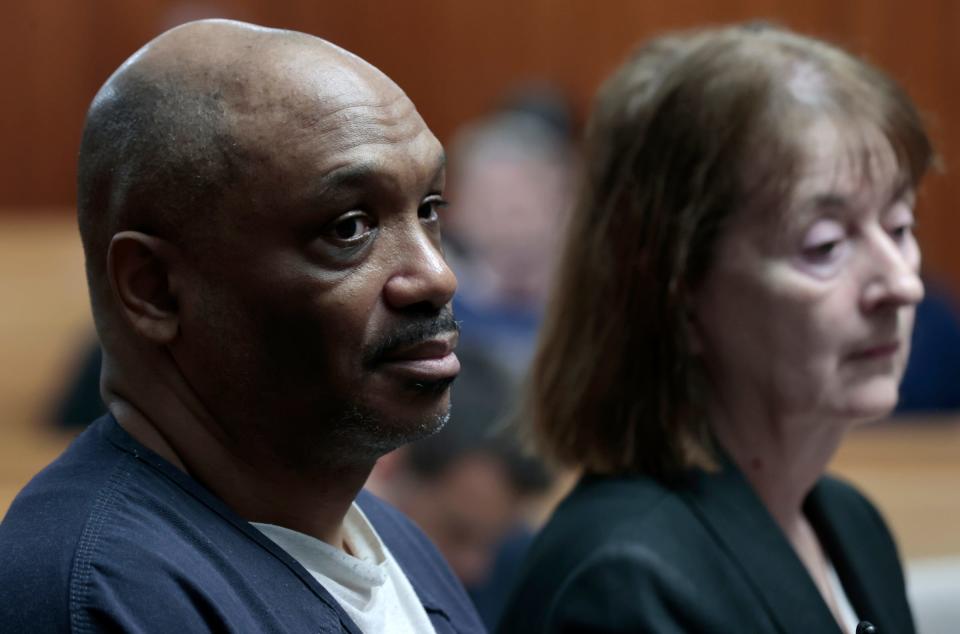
(893, 278)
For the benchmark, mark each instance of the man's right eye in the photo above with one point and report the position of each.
(351, 226)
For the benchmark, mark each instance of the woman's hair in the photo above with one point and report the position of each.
(691, 129)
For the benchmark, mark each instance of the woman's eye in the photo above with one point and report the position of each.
(901, 222)
(823, 241)
(901, 232)
(429, 209)
(902, 229)
(351, 226)
(822, 252)
(823, 244)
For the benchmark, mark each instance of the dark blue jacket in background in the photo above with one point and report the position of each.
(111, 537)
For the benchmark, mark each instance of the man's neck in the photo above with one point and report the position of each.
(313, 500)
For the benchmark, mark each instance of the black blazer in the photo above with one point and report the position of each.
(631, 555)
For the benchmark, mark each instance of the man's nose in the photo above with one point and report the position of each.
(420, 275)
(893, 279)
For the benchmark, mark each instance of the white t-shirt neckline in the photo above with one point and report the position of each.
(369, 584)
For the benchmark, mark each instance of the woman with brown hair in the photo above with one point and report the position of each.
(737, 291)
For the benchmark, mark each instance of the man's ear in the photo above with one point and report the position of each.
(141, 276)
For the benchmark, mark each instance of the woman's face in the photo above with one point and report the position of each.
(809, 309)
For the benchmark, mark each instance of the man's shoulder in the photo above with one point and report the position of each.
(58, 501)
(94, 486)
(415, 553)
(108, 538)
(407, 543)
(49, 524)
(435, 584)
(96, 523)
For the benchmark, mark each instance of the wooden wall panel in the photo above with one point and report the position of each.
(455, 58)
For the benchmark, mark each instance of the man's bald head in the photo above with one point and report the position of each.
(188, 118)
(260, 215)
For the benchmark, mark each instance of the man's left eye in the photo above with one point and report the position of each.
(429, 209)
(351, 226)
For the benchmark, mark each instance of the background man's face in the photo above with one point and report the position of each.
(467, 511)
(320, 314)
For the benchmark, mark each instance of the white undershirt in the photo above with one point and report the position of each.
(369, 585)
(847, 615)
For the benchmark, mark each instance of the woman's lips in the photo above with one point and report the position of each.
(873, 352)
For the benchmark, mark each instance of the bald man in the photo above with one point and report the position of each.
(258, 211)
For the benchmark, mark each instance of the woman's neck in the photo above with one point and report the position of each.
(782, 457)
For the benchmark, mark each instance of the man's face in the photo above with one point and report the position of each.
(467, 512)
(509, 208)
(318, 314)
(807, 311)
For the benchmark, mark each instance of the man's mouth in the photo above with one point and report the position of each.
(429, 361)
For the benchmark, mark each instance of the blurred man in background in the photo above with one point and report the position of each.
(512, 175)
(471, 487)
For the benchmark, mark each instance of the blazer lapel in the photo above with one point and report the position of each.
(865, 568)
(740, 523)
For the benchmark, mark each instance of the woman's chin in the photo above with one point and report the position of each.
(872, 401)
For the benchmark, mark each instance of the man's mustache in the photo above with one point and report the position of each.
(410, 333)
